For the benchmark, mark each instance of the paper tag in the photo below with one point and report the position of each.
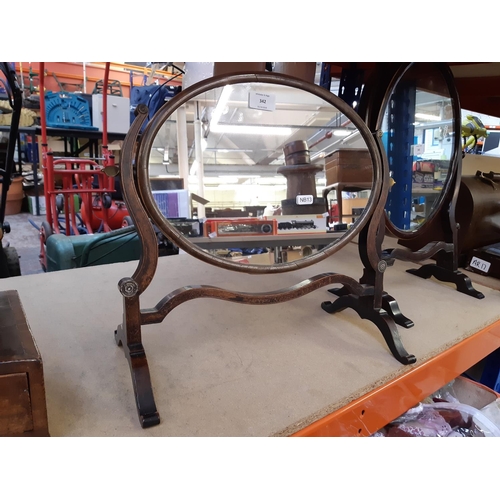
(304, 199)
(212, 235)
(418, 149)
(480, 264)
(258, 100)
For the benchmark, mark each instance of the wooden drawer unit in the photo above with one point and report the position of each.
(349, 166)
(23, 410)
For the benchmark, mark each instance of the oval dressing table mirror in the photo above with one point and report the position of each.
(420, 119)
(250, 151)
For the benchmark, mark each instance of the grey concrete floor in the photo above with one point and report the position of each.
(24, 238)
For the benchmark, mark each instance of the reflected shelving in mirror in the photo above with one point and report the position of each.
(419, 139)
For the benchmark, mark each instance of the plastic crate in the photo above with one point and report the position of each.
(66, 110)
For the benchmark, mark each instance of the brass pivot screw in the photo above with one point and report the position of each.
(382, 266)
(128, 287)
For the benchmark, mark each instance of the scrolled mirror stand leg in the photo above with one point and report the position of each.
(459, 279)
(379, 317)
(128, 335)
(389, 305)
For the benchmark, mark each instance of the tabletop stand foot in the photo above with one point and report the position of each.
(461, 280)
(141, 380)
(389, 305)
(379, 317)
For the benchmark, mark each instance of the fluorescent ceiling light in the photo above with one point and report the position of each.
(319, 155)
(250, 130)
(221, 105)
(353, 136)
(228, 179)
(194, 168)
(342, 133)
(424, 116)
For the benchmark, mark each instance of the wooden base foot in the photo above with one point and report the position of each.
(461, 280)
(379, 317)
(141, 380)
(389, 305)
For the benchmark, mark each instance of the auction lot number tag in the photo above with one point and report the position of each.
(258, 100)
(480, 264)
(304, 199)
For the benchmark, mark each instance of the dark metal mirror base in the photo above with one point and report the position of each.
(461, 280)
(389, 305)
(364, 307)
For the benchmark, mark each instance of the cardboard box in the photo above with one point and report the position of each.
(262, 259)
(423, 177)
(299, 224)
(349, 166)
(118, 113)
(172, 203)
(32, 205)
(43, 206)
(473, 393)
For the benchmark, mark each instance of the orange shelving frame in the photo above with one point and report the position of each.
(72, 72)
(371, 412)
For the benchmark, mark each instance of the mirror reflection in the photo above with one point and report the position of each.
(419, 140)
(260, 173)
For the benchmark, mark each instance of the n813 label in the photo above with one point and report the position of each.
(304, 199)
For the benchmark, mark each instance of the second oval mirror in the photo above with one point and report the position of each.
(420, 142)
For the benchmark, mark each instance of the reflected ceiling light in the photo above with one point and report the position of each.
(256, 180)
(250, 130)
(228, 179)
(342, 133)
(221, 105)
(318, 156)
(424, 116)
(349, 139)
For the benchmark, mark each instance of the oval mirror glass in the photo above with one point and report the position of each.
(420, 142)
(260, 173)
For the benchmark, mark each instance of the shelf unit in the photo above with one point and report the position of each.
(374, 410)
(370, 412)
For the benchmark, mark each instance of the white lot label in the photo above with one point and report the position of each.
(480, 264)
(418, 149)
(258, 100)
(306, 199)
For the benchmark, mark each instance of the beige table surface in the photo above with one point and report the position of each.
(224, 369)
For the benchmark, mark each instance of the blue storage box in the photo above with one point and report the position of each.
(66, 110)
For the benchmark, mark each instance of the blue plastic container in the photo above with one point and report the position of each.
(67, 110)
